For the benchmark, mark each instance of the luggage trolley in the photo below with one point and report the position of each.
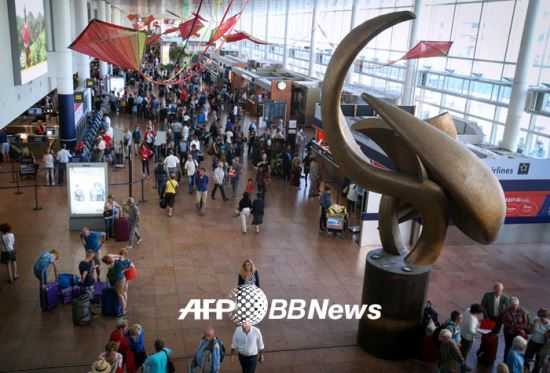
(336, 223)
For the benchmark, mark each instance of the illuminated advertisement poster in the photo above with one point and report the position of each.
(28, 39)
(87, 188)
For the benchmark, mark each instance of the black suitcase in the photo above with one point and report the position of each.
(82, 309)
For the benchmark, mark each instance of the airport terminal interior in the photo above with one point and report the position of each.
(211, 185)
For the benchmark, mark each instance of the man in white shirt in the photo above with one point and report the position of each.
(107, 120)
(219, 175)
(196, 142)
(185, 132)
(171, 164)
(249, 344)
(109, 130)
(228, 137)
(190, 167)
(63, 157)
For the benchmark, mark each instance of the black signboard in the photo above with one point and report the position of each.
(79, 97)
(274, 110)
(89, 83)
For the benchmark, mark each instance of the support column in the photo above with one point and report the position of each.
(102, 16)
(108, 18)
(241, 42)
(516, 108)
(82, 60)
(352, 25)
(412, 65)
(63, 61)
(251, 27)
(313, 39)
(285, 45)
(266, 47)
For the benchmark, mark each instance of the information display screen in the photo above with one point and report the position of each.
(28, 39)
(87, 188)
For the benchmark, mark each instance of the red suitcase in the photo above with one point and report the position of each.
(122, 229)
(487, 353)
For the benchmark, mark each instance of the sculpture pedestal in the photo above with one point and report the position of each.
(400, 289)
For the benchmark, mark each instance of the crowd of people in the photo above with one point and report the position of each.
(526, 338)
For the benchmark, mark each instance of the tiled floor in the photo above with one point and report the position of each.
(188, 256)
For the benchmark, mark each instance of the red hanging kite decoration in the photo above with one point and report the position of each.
(198, 16)
(111, 43)
(132, 17)
(152, 39)
(220, 31)
(425, 49)
(241, 35)
(187, 29)
(149, 19)
(170, 30)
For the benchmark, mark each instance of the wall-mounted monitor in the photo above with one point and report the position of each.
(35, 112)
(28, 39)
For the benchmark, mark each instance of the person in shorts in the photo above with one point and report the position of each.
(116, 277)
(7, 251)
(170, 193)
(93, 241)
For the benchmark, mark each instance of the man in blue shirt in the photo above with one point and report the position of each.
(157, 362)
(325, 204)
(93, 241)
(208, 355)
(201, 181)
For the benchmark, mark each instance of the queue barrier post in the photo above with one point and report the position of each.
(18, 191)
(142, 194)
(36, 207)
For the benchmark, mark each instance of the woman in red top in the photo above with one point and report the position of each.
(145, 155)
(118, 337)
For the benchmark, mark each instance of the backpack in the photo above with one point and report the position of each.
(220, 343)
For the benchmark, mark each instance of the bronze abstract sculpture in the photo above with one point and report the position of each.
(436, 179)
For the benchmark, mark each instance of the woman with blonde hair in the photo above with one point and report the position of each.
(248, 275)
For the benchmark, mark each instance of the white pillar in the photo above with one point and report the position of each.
(251, 27)
(63, 62)
(352, 25)
(82, 60)
(266, 47)
(241, 42)
(313, 39)
(410, 74)
(516, 108)
(285, 45)
(115, 15)
(108, 18)
(102, 16)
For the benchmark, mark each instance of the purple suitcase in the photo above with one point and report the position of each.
(98, 290)
(48, 296)
(67, 295)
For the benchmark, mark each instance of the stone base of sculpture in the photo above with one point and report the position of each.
(400, 289)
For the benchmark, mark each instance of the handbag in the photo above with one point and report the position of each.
(169, 365)
(108, 213)
(163, 203)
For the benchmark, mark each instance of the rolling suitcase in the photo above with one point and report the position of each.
(487, 353)
(110, 305)
(122, 229)
(48, 296)
(82, 310)
(98, 290)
